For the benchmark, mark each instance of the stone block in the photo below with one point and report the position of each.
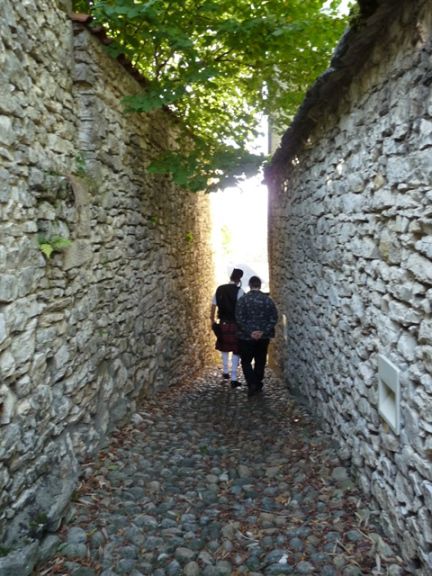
(23, 345)
(405, 315)
(389, 247)
(425, 332)
(3, 329)
(8, 288)
(20, 562)
(7, 364)
(424, 246)
(407, 345)
(421, 267)
(426, 488)
(425, 353)
(425, 133)
(77, 254)
(7, 133)
(8, 404)
(364, 248)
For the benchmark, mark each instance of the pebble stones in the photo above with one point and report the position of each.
(205, 481)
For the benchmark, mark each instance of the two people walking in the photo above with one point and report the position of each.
(253, 323)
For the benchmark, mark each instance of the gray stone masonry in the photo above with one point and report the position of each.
(121, 311)
(351, 269)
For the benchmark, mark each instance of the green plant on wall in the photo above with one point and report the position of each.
(80, 165)
(38, 524)
(60, 187)
(154, 219)
(53, 244)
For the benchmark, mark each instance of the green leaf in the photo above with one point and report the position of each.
(54, 244)
(59, 243)
(46, 250)
(219, 65)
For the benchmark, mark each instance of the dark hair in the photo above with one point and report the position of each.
(236, 275)
(254, 282)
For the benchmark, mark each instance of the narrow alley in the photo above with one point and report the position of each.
(205, 481)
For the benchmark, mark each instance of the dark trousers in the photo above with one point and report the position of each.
(253, 351)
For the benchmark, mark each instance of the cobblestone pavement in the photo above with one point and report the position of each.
(206, 481)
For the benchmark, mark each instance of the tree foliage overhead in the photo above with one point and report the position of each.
(219, 64)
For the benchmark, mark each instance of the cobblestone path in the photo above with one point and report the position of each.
(205, 481)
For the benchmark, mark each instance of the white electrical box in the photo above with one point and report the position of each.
(389, 392)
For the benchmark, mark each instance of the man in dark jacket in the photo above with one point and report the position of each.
(256, 316)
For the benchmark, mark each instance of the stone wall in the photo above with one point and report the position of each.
(118, 314)
(351, 269)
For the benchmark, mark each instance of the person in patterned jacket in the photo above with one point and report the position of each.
(256, 316)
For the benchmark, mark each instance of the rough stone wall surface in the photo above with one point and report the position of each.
(117, 314)
(351, 269)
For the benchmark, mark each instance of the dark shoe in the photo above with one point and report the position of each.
(225, 376)
(235, 383)
(254, 390)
